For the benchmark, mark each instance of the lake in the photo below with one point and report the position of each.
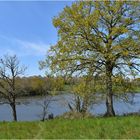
(30, 109)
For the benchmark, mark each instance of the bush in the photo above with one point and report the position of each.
(75, 115)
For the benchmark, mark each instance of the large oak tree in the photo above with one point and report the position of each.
(100, 37)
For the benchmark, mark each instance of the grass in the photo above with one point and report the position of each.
(117, 127)
(137, 90)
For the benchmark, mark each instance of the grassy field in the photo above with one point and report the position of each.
(118, 127)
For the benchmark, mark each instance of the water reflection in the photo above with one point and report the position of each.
(29, 109)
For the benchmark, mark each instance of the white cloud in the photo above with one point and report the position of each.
(33, 48)
(24, 48)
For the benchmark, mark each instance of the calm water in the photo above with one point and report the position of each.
(30, 110)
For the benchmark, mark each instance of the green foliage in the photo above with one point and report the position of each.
(77, 27)
(121, 85)
(83, 87)
(96, 36)
(57, 83)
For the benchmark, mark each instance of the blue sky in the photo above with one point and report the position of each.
(26, 30)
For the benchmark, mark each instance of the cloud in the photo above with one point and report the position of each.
(33, 48)
(22, 47)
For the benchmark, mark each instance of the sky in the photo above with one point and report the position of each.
(26, 30)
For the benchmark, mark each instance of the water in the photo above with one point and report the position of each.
(30, 109)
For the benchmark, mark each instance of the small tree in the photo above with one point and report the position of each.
(45, 107)
(84, 94)
(9, 70)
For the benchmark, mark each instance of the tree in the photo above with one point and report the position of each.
(45, 107)
(98, 36)
(9, 70)
(84, 96)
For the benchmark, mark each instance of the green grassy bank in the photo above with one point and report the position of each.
(117, 127)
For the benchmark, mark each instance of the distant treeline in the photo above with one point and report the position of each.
(38, 85)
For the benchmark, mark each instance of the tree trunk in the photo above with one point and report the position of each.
(85, 104)
(78, 104)
(14, 111)
(109, 96)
